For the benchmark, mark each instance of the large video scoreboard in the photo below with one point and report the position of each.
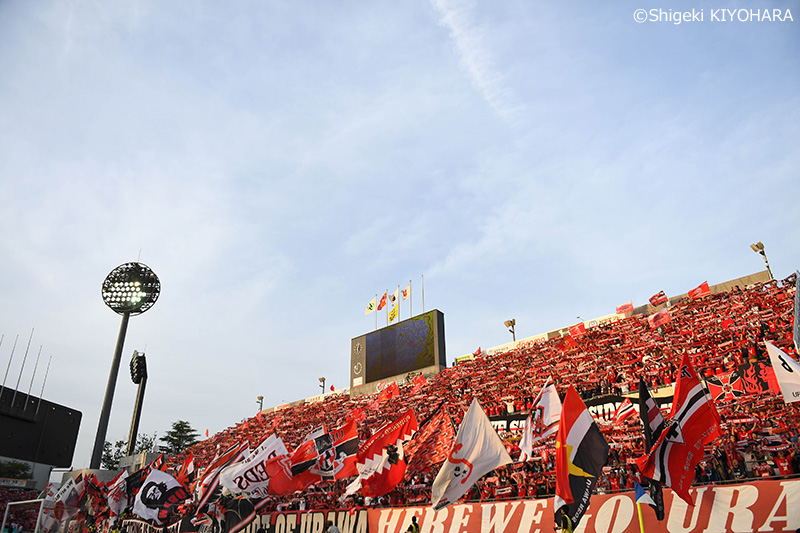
(412, 345)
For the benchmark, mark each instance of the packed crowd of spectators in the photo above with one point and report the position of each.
(722, 332)
(21, 517)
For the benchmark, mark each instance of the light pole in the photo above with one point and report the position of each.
(322, 384)
(130, 289)
(260, 402)
(139, 377)
(510, 325)
(759, 249)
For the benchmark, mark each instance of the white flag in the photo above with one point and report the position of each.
(787, 371)
(371, 305)
(159, 493)
(543, 420)
(476, 451)
(118, 494)
(249, 477)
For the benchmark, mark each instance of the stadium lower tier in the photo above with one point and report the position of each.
(769, 505)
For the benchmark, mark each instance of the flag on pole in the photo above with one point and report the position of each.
(787, 372)
(395, 295)
(543, 420)
(581, 453)
(642, 496)
(652, 425)
(371, 305)
(659, 298)
(381, 462)
(477, 450)
(659, 319)
(382, 303)
(393, 314)
(694, 422)
(624, 411)
(407, 292)
(700, 291)
(159, 493)
(577, 329)
(625, 308)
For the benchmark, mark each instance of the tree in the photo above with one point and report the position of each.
(111, 455)
(180, 437)
(15, 470)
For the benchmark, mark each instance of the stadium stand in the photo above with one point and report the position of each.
(723, 332)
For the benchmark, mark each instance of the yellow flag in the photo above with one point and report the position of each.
(393, 314)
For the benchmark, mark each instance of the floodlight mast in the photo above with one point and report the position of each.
(130, 289)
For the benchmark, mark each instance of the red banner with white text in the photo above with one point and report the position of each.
(764, 506)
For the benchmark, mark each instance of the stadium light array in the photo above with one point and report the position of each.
(759, 249)
(510, 325)
(130, 289)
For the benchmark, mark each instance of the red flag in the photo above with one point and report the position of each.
(581, 453)
(432, 444)
(659, 319)
(382, 303)
(392, 391)
(260, 417)
(419, 382)
(624, 411)
(381, 460)
(477, 352)
(627, 307)
(694, 423)
(700, 291)
(327, 456)
(206, 433)
(658, 299)
(279, 470)
(577, 330)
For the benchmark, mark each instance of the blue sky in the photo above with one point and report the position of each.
(277, 164)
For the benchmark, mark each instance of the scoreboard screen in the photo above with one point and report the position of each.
(410, 345)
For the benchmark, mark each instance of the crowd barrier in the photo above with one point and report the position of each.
(763, 506)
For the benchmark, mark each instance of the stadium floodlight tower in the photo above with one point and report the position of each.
(759, 249)
(510, 325)
(130, 289)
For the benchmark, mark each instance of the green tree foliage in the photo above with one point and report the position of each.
(15, 470)
(180, 437)
(113, 453)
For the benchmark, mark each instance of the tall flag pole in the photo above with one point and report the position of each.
(397, 294)
(387, 310)
(407, 295)
(376, 315)
(14, 347)
(422, 276)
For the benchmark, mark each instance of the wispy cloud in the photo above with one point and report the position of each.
(475, 58)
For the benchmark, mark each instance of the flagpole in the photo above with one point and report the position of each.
(387, 307)
(422, 288)
(43, 382)
(376, 312)
(410, 309)
(641, 521)
(32, 376)
(10, 357)
(25, 358)
(399, 296)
